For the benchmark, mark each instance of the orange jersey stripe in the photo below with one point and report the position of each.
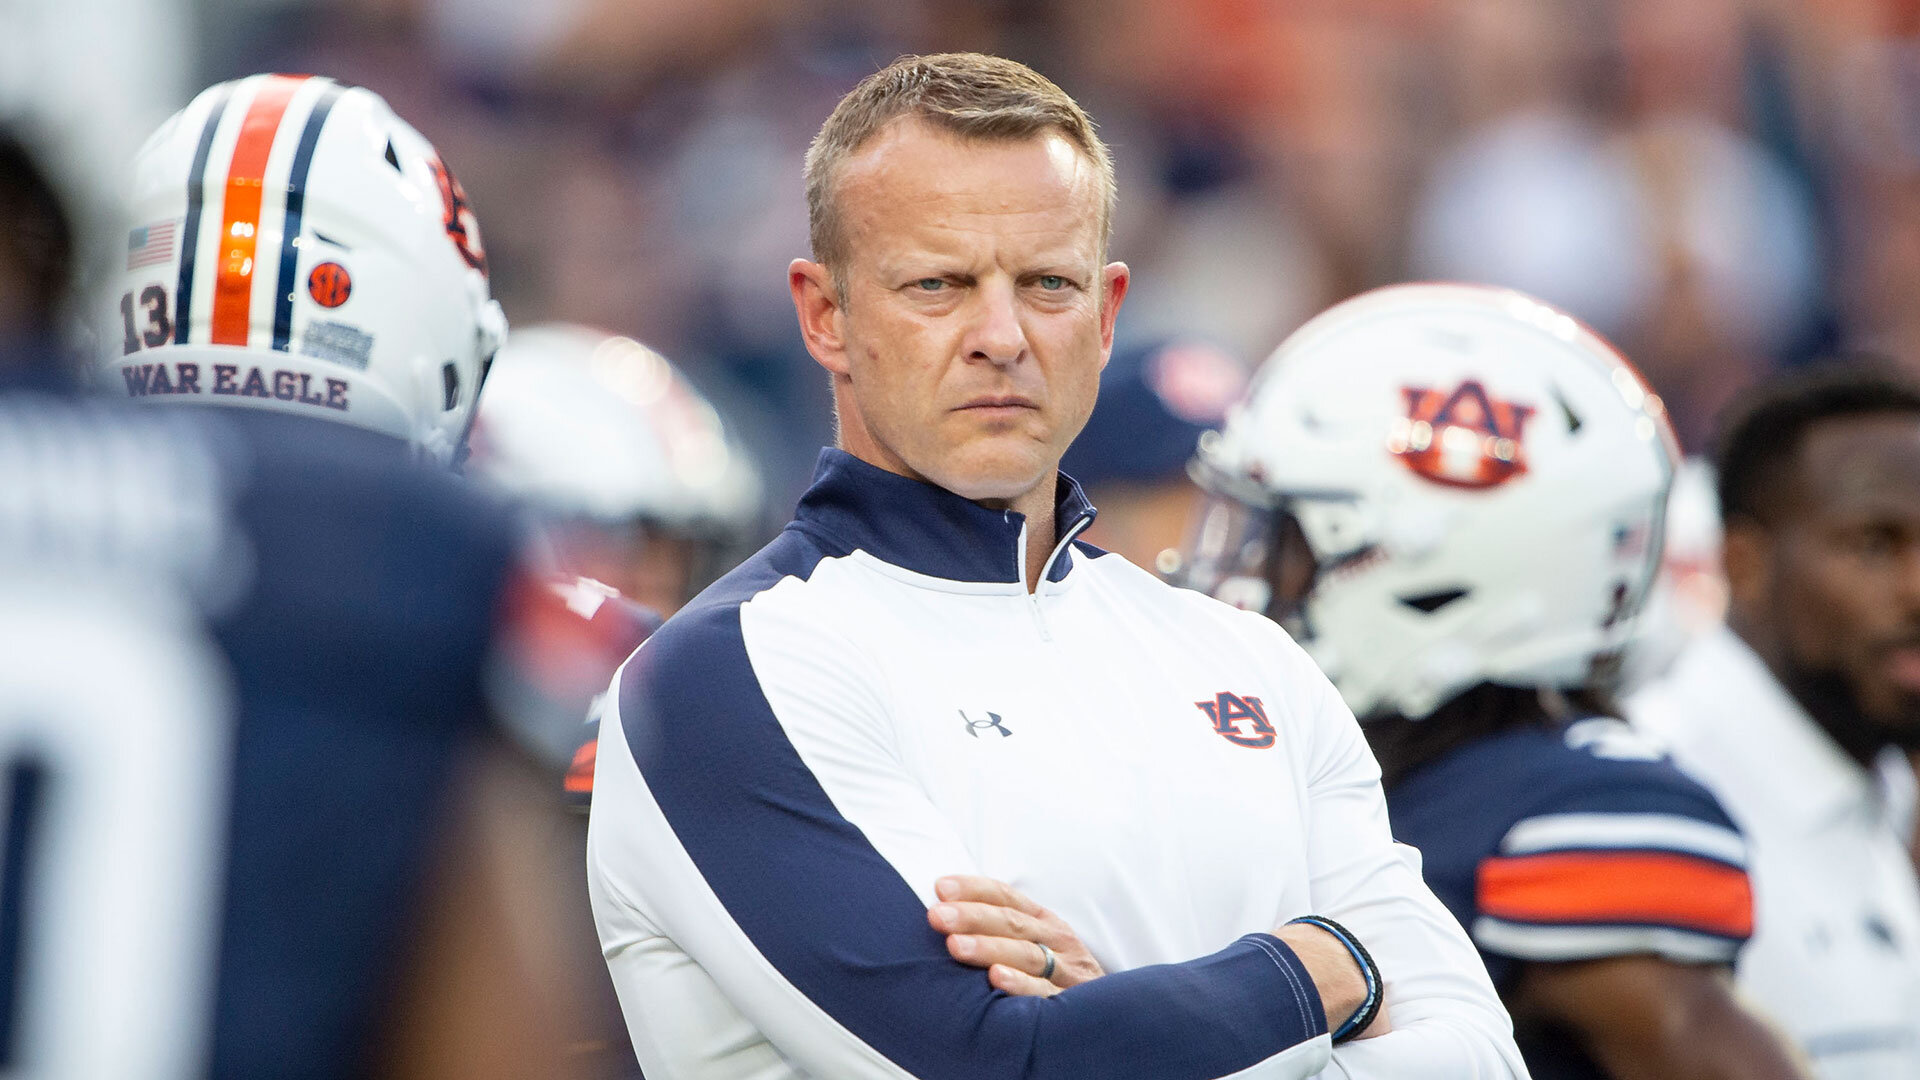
(1619, 886)
(580, 774)
(233, 283)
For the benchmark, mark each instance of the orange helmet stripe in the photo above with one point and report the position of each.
(233, 280)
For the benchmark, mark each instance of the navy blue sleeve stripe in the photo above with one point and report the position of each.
(840, 924)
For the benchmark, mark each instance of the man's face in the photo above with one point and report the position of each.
(977, 316)
(1837, 576)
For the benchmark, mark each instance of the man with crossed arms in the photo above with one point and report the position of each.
(817, 777)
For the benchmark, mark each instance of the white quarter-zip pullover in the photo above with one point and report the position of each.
(876, 700)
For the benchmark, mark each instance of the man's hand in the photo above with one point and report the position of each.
(990, 925)
(1335, 975)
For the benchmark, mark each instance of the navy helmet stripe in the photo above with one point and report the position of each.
(296, 206)
(190, 233)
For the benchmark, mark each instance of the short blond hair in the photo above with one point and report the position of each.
(969, 94)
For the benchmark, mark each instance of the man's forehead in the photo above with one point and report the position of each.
(914, 173)
(1862, 463)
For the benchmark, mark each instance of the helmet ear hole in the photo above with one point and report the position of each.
(450, 378)
(1574, 423)
(392, 158)
(1428, 603)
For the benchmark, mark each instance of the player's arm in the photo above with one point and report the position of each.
(1447, 1020)
(494, 985)
(758, 851)
(1648, 1018)
(1625, 898)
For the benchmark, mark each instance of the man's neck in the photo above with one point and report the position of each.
(1042, 528)
(1036, 504)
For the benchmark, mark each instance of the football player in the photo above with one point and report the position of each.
(299, 250)
(639, 494)
(277, 834)
(1453, 497)
(1799, 709)
(303, 259)
(636, 481)
(37, 251)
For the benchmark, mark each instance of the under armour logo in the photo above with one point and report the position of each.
(991, 723)
(1880, 932)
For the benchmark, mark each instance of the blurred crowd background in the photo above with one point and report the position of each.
(1722, 187)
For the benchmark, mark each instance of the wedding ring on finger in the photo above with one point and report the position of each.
(1051, 959)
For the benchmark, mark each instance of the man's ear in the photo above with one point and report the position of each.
(817, 303)
(1114, 280)
(1746, 556)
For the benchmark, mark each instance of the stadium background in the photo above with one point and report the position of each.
(1721, 186)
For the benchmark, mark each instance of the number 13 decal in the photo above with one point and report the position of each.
(155, 328)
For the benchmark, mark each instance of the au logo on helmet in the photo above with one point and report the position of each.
(1463, 437)
(462, 227)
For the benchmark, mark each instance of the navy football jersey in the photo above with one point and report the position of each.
(243, 664)
(1574, 844)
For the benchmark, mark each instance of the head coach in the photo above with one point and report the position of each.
(814, 778)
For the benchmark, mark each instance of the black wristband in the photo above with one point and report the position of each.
(1369, 971)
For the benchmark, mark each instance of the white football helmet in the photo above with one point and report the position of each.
(298, 247)
(1435, 486)
(1689, 597)
(591, 428)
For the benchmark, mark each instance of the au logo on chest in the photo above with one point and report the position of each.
(1240, 720)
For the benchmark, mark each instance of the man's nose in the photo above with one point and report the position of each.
(994, 334)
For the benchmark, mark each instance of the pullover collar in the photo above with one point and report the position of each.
(924, 528)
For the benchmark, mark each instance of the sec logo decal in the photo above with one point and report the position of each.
(329, 284)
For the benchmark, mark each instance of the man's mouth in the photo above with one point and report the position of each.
(998, 404)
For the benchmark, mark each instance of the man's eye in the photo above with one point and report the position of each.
(930, 284)
(1877, 542)
(1053, 282)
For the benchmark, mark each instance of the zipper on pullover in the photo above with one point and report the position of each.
(1020, 563)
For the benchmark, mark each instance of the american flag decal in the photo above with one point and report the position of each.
(150, 245)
